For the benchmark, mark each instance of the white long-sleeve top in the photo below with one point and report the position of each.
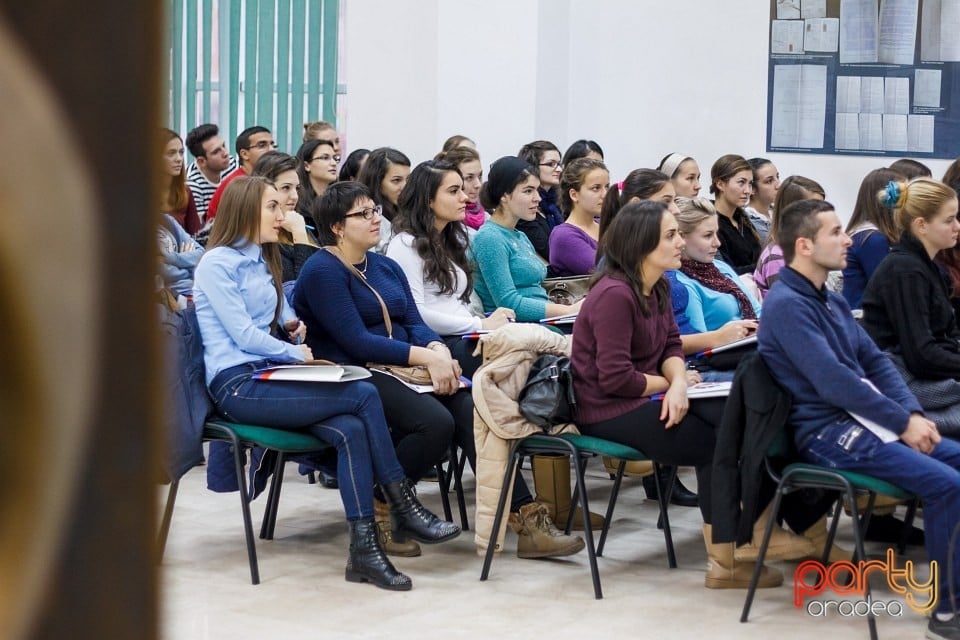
(444, 313)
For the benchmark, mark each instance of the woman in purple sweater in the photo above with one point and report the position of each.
(630, 376)
(573, 244)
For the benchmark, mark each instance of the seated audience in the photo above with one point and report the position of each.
(582, 149)
(212, 162)
(467, 162)
(626, 353)
(296, 242)
(316, 170)
(906, 305)
(457, 141)
(239, 306)
(792, 189)
(911, 169)
(851, 409)
(545, 157)
(573, 244)
(711, 304)
(872, 230)
(731, 183)
(640, 184)
(252, 143)
(324, 132)
(507, 271)
(430, 246)
(350, 169)
(385, 174)
(179, 256)
(358, 309)
(177, 200)
(683, 172)
(766, 181)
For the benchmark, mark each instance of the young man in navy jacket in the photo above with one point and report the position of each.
(851, 409)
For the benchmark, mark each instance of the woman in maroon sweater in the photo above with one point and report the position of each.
(626, 350)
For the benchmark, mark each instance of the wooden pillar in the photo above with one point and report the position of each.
(96, 66)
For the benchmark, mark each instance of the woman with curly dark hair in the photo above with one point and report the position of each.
(430, 245)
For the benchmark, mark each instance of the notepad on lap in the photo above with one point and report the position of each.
(312, 373)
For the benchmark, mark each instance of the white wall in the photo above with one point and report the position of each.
(643, 78)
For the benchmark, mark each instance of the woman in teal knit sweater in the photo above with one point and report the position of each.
(507, 269)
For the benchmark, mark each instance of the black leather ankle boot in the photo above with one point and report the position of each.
(367, 561)
(681, 496)
(411, 519)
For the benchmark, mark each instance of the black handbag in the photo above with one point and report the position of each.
(547, 398)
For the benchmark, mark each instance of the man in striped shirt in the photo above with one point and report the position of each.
(212, 163)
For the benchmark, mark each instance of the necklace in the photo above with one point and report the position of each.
(363, 271)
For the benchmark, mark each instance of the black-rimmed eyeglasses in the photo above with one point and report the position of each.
(367, 214)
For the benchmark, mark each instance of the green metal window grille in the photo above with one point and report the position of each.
(238, 63)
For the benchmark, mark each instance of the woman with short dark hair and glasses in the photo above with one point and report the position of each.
(545, 157)
(358, 309)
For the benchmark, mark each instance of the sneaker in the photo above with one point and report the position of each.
(940, 630)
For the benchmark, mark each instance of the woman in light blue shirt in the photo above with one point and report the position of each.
(240, 309)
(718, 308)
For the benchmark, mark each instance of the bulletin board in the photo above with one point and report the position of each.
(865, 77)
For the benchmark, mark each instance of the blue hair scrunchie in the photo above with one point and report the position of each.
(892, 195)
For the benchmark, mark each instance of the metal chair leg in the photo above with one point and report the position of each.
(859, 528)
(512, 466)
(457, 470)
(663, 522)
(444, 498)
(587, 529)
(907, 526)
(758, 568)
(273, 499)
(167, 516)
(245, 507)
(614, 493)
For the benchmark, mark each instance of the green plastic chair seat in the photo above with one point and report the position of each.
(858, 480)
(589, 444)
(279, 439)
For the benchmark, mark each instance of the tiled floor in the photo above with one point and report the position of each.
(208, 595)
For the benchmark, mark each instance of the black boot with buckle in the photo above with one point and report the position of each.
(410, 519)
(367, 561)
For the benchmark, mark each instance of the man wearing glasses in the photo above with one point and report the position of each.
(251, 144)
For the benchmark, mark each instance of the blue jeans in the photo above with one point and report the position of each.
(346, 414)
(934, 477)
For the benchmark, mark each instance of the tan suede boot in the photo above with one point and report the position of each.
(633, 468)
(551, 481)
(407, 549)
(817, 534)
(783, 545)
(724, 572)
(538, 536)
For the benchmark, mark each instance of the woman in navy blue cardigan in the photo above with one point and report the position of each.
(345, 323)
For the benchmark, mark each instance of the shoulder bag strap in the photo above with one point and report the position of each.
(353, 269)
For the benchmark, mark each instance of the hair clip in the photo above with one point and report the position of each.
(620, 186)
(892, 194)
